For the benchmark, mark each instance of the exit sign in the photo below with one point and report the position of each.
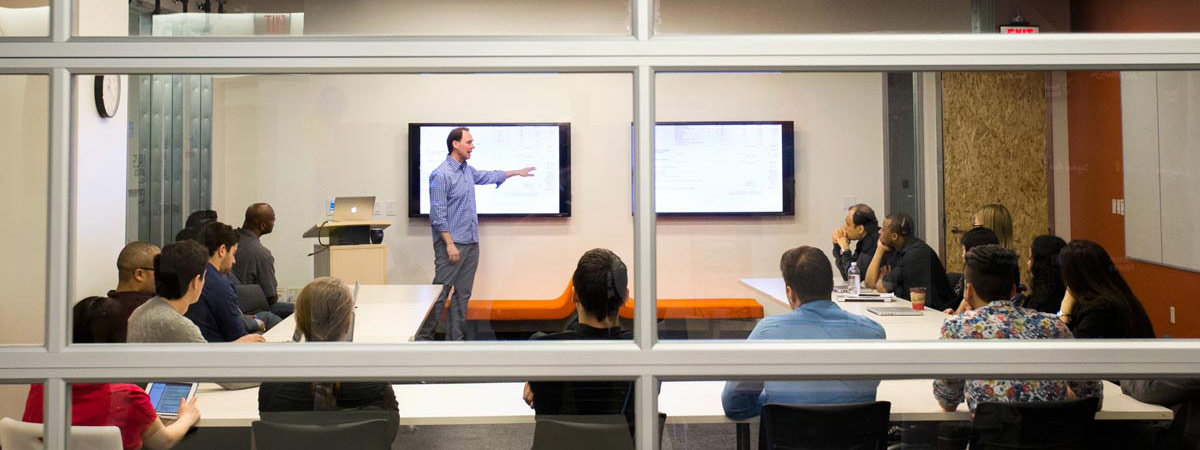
(1018, 30)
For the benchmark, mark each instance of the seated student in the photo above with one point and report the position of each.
(993, 315)
(217, 312)
(1098, 302)
(1183, 397)
(809, 280)
(970, 239)
(902, 261)
(1046, 274)
(179, 279)
(601, 286)
(325, 313)
(995, 217)
(125, 406)
(255, 264)
(135, 277)
(195, 222)
(861, 226)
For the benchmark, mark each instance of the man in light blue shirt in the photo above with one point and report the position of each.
(455, 226)
(809, 279)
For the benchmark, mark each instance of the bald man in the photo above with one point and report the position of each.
(135, 276)
(255, 263)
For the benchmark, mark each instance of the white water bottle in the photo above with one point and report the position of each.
(855, 279)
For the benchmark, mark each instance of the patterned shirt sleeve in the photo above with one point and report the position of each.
(949, 392)
(437, 202)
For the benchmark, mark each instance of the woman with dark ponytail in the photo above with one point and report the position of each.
(325, 313)
(1098, 302)
(1048, 286)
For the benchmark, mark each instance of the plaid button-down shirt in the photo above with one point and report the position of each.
(452, 199)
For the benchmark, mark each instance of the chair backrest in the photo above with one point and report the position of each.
(852, 426)
(1037, 425)
(582, 432)
(582, 397)
(251, 298)
(17, 435)
(320, 430)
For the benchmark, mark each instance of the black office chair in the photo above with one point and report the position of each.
(853, 426)
(1034, 426)
(321, 430)
(582, 432)
(251, 299)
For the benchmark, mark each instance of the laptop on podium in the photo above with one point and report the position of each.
(353, 209)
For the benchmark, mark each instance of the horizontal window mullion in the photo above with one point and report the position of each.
(681, 360)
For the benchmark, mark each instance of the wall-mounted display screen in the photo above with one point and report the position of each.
(724, 168)
(509, 146)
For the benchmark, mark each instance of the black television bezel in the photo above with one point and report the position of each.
(788, 168)
(564, 166)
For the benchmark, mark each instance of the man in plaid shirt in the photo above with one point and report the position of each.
(455, 226)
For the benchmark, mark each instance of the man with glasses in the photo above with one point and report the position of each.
(135, 277)
(902, 262)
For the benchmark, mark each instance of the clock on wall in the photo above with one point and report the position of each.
(108, 94)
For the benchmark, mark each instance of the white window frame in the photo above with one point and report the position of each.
(642, 55)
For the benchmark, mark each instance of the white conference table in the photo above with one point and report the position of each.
(391, 314)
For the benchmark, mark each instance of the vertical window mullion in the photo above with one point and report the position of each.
(61, 176)
(643, 18)
(645, 309)
(55, 411)
(646, 402)
(60, 20)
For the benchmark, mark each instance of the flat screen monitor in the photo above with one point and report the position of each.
(498, 146)
(724, 168)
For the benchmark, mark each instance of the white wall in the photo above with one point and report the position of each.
(23, 179)
(100, 189)
(294, 141)
(612, 17)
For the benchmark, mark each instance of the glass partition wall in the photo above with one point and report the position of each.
(262, 76)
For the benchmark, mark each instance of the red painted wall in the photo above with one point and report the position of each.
(1094, 124)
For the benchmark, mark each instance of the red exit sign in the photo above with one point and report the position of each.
(1018, 30)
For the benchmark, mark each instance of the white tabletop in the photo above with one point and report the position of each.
(385, 314)
(773, 295)
(683, 402)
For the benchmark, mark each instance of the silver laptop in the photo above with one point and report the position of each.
(352, 209)
(894, 311)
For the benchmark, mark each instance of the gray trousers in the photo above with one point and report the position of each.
(457, 278)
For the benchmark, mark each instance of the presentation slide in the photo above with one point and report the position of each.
(501, 147)
(720, 168)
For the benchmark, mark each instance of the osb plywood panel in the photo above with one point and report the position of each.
(994, 137)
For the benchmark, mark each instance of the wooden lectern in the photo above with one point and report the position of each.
(364, 263)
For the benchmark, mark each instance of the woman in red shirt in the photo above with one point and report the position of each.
(125, 406)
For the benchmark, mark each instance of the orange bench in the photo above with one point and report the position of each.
(701, 308)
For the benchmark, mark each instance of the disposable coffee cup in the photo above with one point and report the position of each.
(917, 297)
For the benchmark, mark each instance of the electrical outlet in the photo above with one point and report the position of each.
(378, 208)
(1172, 314)
(1114, 206)
(1121, 206)
(390, 207)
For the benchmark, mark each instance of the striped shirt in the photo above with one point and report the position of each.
(452, 199)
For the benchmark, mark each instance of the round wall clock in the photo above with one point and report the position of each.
(108, 94)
